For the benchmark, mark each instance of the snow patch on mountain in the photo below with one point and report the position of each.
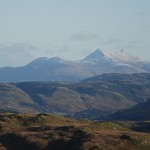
(119, 56)
(124, 56)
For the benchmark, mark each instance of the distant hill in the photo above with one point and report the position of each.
(92, 98)
(13, 99)
(139, 112)
(137, 78)
(58, 69)
(74, 97)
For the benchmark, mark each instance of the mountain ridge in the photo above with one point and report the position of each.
(58, 69)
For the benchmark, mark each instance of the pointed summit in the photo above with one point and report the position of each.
(97, 55)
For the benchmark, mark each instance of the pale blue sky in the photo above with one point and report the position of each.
(72, 28)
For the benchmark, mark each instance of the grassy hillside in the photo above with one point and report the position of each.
(45, 131)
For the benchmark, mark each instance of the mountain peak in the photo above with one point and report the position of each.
(96, 55)
(98, 52)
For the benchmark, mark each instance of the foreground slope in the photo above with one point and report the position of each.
(44, 132)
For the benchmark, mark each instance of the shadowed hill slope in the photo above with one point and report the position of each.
(16, 100)
(137, 113)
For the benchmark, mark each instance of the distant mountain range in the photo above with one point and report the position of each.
(93, 98)
(58, 69)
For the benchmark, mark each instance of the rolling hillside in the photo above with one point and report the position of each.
(101, 96)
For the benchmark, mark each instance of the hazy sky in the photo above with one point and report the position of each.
(72, 29)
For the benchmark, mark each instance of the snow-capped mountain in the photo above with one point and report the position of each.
(119, 56)
(114, 62)
(58, 69)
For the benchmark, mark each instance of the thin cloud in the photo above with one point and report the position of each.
(83, 36)
(17, 48)
(120, 43)
(132, 44)
(16, 54)
(112, 41)
(58, 51)
(128, 45)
